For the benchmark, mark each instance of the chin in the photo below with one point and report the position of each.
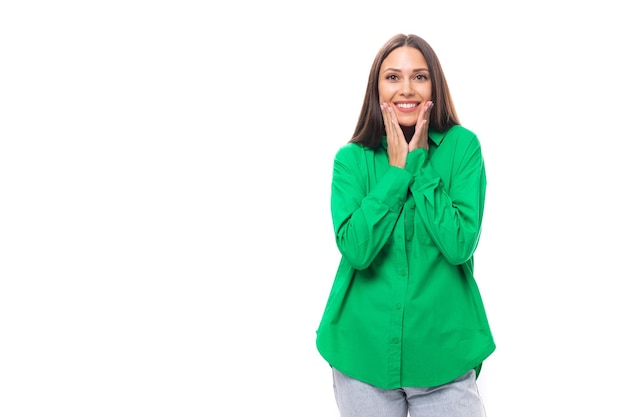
(407, 123)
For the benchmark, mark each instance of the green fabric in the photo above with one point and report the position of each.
(404, 308)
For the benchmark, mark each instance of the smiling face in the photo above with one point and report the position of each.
(404, 83)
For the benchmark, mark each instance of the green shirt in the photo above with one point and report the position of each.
(404, 309)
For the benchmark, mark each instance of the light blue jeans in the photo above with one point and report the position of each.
(458, 398)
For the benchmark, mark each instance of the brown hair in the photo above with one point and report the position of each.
(370, 127)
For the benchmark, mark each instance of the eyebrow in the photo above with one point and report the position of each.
(399, 70)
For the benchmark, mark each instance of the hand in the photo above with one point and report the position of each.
(397, 147)
(420, 137)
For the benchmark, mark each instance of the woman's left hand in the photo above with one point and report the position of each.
(420, 137)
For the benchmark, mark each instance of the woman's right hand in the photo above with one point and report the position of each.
(397, 146)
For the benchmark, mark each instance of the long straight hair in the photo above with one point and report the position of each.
(370, 127)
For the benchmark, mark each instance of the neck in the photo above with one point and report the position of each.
(408, 131)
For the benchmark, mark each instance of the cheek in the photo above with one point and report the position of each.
(427, 93)
(384, 93)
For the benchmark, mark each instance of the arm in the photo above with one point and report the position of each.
(364, 218)
(452, 214)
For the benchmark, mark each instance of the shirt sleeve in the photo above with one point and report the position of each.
(364, 216)
(452, 213)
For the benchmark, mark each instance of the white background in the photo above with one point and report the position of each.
(166, 243)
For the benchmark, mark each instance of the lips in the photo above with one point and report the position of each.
(406, 107)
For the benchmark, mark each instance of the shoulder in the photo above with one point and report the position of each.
(351, 152)
(461, 133)
(457, 136)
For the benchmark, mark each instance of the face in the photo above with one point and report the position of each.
(404, 83)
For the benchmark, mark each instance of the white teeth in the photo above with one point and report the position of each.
(406, 105)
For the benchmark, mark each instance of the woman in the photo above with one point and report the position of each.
(404, 328)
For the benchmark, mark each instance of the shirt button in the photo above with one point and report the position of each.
(398, 306)
(395, 340)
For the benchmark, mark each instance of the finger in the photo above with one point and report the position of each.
(427, 116)
(391, 123)
(386, 118)
(424, 116)
(428, 109)
(395, 126)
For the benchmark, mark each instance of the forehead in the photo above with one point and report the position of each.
(404, 57)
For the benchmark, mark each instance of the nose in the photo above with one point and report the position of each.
(406, 88)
